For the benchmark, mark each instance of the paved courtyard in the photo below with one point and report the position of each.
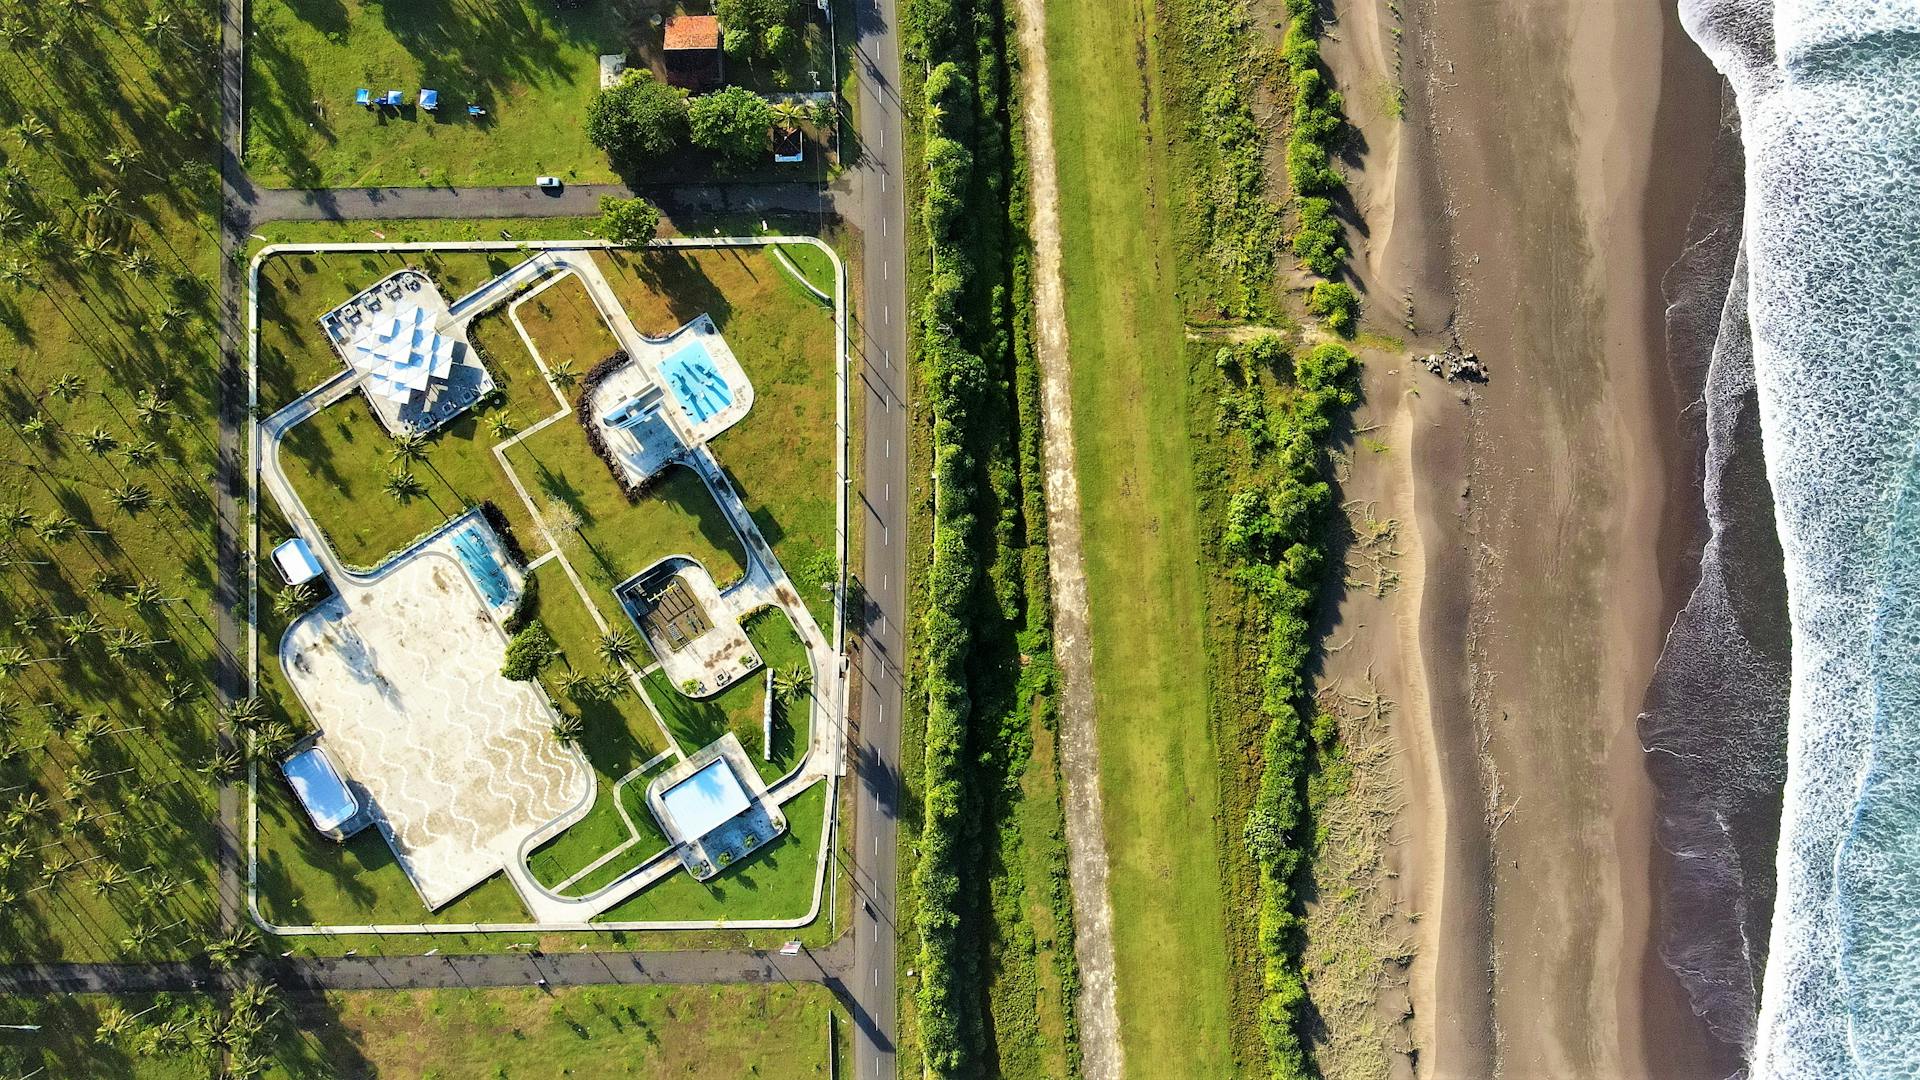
(403, 679)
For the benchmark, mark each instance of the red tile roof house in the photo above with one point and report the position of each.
(692, 52)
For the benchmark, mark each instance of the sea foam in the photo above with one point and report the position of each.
(1829, 97)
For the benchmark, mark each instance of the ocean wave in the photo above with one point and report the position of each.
(1829, 97)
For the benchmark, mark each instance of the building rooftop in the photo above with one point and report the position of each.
(692, 32)
(706, 800)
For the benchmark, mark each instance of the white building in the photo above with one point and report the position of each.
(405, 360)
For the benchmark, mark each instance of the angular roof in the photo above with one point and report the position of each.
(403, 356)
(693, 32)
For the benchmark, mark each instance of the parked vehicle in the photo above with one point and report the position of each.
(551, 183)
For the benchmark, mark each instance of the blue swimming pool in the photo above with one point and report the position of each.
(696, 382)
(477, 556)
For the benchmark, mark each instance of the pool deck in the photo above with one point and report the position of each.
(765, 584)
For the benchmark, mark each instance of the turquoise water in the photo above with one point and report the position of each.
(695, 382)
(477, 555)
(1829, 96)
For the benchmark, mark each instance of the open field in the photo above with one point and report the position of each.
(1160, 761)
(781, 457)
(531, 66)
(776, 1032)
(108, 391)
(566, 328)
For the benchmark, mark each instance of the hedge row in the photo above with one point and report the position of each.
(1278, 532)
(1318, 125)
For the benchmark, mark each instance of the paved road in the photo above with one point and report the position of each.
(828, 967)
(577, 200)
(876, 206)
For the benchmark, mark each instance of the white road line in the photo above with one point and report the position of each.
(883, 226)
(886, 357)
(886, 313)
(883, 181)
(886, 272)
(886, 535)
(889, 454)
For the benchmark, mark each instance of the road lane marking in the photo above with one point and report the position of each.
(889, 448)
(886, 272)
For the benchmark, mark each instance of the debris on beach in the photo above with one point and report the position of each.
(1455, 365)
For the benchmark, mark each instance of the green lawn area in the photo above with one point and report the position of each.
(566, 327)
(775, 882)
(782, 456)
(740, 707)
(778, 1032)
(618, 537)
(295, 290)
(306, 878)
(531, 64)
(1160, 763)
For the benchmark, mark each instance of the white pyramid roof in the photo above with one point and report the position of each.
(402, 356)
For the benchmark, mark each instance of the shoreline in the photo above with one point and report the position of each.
(1563, 493)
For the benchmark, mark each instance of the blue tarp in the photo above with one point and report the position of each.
(429, 99)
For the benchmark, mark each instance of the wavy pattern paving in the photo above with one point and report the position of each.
(403, 678)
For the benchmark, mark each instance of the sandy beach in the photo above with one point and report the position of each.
(1528, 203)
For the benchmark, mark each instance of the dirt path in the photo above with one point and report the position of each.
(1099, 1018)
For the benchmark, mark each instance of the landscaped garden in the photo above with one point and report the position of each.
(778, 1032)
(532, 65)
(781, 457)
(775, 882)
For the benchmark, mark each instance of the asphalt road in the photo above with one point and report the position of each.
(877, 208)
(828, 967)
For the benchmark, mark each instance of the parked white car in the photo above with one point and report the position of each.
(549, 182)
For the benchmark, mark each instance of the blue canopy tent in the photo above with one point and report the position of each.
(430, 100)
(393, 98)
(363, 97)
(475, 110)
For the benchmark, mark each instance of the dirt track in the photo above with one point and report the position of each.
(1099, 1018)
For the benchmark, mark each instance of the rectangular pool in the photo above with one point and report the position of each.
(321, 790)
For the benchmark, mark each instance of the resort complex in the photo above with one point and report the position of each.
(419, 672)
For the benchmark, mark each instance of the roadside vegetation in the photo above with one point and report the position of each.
(779, 1032)
(1204, 414)
(985, 888)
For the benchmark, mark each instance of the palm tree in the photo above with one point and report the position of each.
(153, 409)
(11, 221)
(290, 600)
(790, 114)
(58, 528)
(115, 1023)
(791, 683)
(19, 275)
(130, 499)
(246, 713)
(140, 263)
(67, 387)
(403, 485)
(36, 425)
(14, 660)
(224, 952)
(107, 879)
(46, 241)
(617, 647)
(148, 596)
(574, 683)
(91, 254)
(158, 27)
(568, 728)
(408, 446)
(75, 629)
(14, 517)
(499, 425)
(609, 685)
(142, 454)
(32, 133)
(562, 375)
(100, 441)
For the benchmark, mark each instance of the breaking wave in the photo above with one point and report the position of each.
(1829, 101)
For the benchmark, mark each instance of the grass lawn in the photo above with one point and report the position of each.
(531, 65)
(776, 882)
(778, 1032)
(306, 878)
(295, 290)
(740, 707)
(617, 538)
(566, 327)
(782, 456)
(1159, 759)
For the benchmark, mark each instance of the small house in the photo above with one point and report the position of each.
(691, 52)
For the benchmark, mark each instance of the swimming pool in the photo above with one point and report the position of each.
(321, 790)
(477, 556)
(696, 383)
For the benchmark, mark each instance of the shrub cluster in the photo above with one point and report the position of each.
(1277, 533)
(529, 653)
(1318, 125)
(640, 119)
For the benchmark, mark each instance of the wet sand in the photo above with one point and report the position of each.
(1529, 203)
